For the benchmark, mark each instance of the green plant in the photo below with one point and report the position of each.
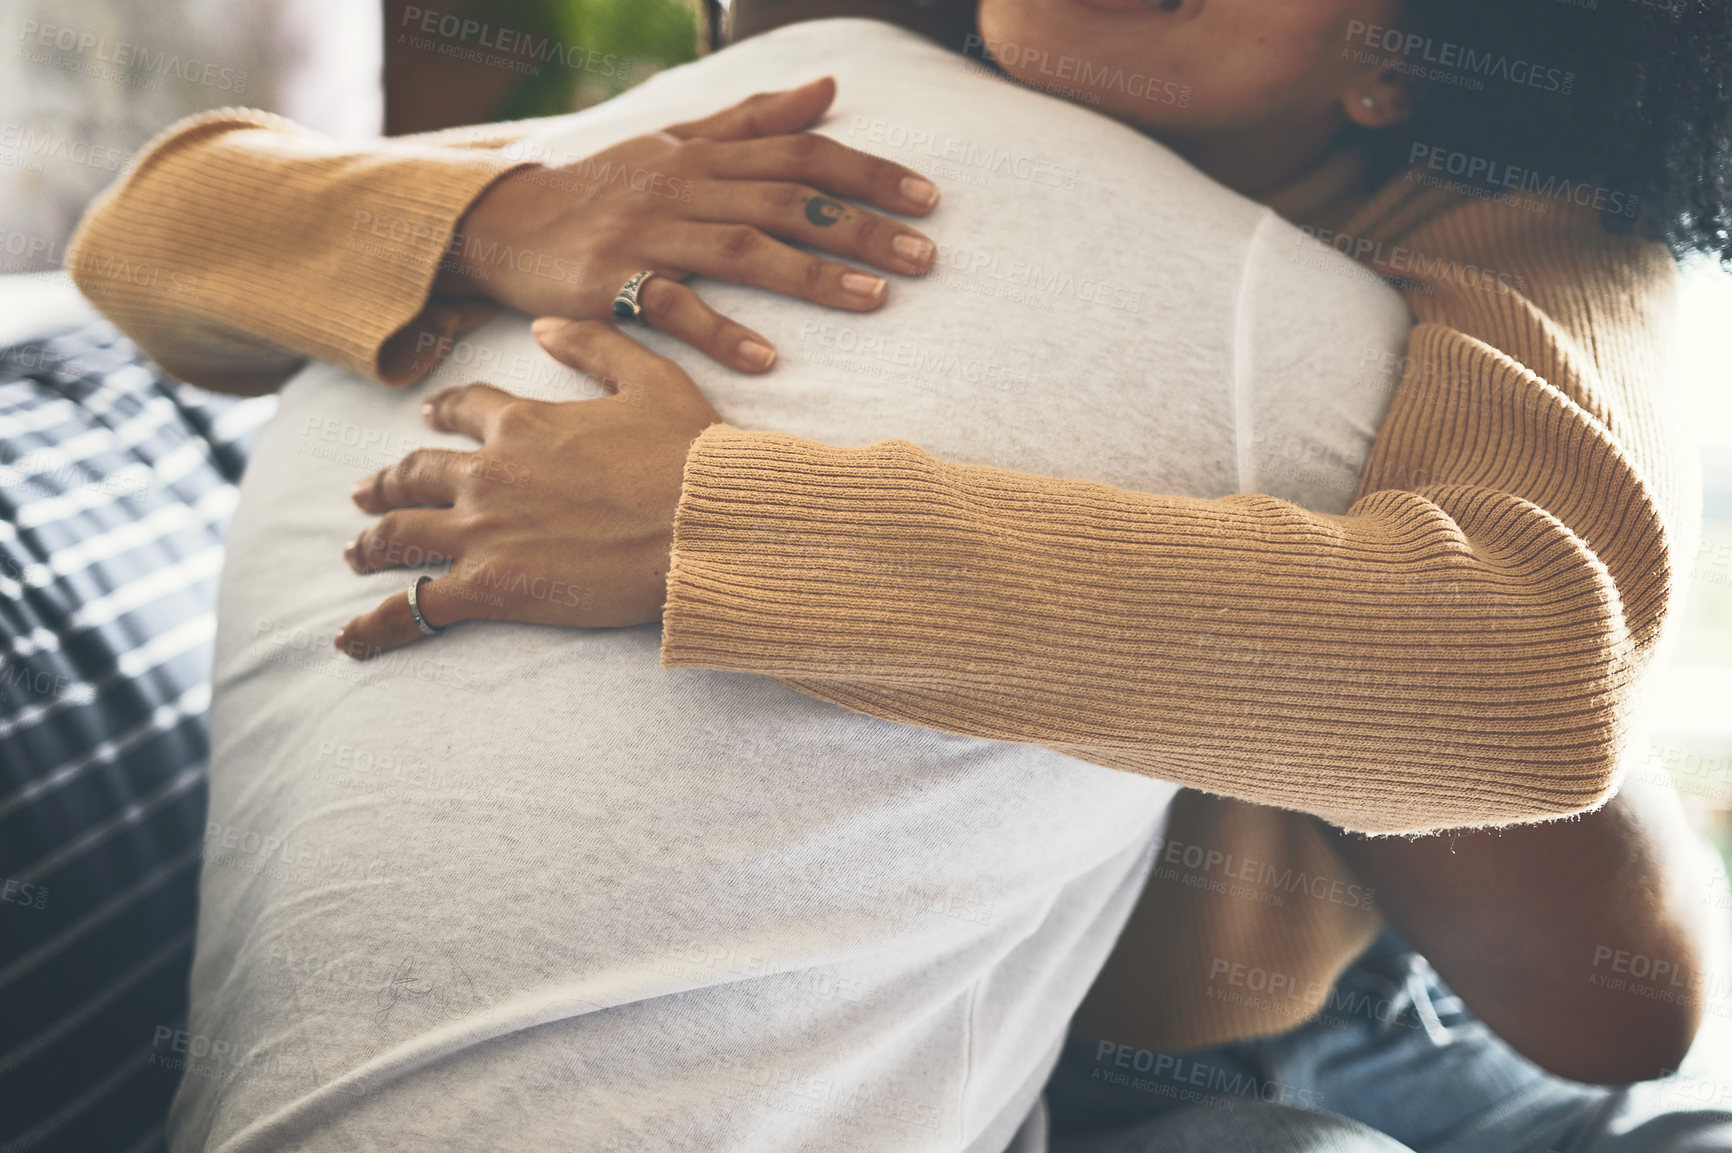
(641, 37)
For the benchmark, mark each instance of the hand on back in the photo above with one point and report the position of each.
(564, 514)
(725, 197)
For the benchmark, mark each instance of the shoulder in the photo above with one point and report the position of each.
(1548, 241)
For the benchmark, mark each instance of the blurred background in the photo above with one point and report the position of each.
(1689, 721)
(85, 83)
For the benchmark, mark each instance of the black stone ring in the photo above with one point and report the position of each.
(625, 305)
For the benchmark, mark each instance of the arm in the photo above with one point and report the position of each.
(241, 244)
(1461, 649)
(187, 252)
(1534, 927)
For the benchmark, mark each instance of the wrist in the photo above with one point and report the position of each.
(479, 230)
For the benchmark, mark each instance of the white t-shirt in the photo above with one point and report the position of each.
(521, 888)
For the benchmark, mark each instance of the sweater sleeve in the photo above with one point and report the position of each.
(1460, 649)
(239, 244)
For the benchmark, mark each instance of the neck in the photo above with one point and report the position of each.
(1255, 159)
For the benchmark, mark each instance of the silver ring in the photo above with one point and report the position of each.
(625, 304)
(427, 630)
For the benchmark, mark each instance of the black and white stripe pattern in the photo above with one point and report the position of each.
(116, 484)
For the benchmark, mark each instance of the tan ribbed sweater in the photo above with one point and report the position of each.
(1462, 648)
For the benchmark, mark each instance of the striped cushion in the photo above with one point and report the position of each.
(115, 485)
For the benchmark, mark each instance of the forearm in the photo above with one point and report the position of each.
(1399, 669)
(239, 245)
(1462, 649)
(1535, 927)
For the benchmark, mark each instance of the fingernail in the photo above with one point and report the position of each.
(757, 354)
(859, 284)
(427, 410)
(546, 325)
(915, 249)
(340, 638)
(920, 190)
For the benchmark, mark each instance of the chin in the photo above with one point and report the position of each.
(1028, 39)
(1034, 25)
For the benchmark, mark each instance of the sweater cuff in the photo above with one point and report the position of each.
(406, 329)
(773, 570)
(267, 243)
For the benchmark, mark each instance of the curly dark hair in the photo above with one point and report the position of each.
(1631, 97)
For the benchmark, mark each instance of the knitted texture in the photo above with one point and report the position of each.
(274, 236)
(1462, 648)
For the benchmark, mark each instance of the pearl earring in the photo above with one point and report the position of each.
(1367, 103)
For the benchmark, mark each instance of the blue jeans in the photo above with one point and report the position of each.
(1394, 1050)
(1253, 1128)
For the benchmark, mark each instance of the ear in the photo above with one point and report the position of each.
(1379, 99)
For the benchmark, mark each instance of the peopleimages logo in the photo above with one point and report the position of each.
(1444, 61)
(462, 30)
(135, 57)
(966, 154)
(1074, 70)
(1492, 173)
(1169, 1076)
(1408, 268)
(26, 142)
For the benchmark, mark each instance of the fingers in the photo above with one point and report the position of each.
(834, 167)
(744, 255)
(765, 114)
(802, 213)
(471, 409)
(405, 538)
(609, 355)
(426, 476)
(392, 625)
(682, 314)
